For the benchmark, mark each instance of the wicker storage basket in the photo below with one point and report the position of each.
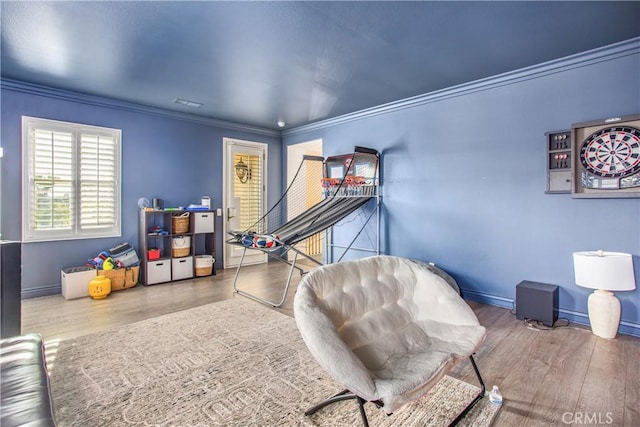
(122, 278)
(180, 246)
(204, 271)
(179, 252)
(180, 223)
(204, 265)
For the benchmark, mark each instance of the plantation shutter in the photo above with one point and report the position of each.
(97, 181)
(249, 191)
(71, 181)
(52, 181)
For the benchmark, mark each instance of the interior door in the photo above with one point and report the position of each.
(244, 195)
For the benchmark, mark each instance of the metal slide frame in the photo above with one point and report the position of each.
(280, 252)
(280, 257)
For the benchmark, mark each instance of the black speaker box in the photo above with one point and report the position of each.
(537, 301)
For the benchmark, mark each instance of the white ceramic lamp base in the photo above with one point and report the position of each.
(604, 313)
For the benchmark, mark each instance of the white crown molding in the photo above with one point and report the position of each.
(617, 50)
(65, 95)
(594, 56)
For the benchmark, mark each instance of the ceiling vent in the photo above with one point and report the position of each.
(188, 103)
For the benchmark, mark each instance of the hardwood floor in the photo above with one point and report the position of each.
(564, 376)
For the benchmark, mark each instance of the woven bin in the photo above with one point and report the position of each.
(180, 223)
(180, 252)
(204, 265)
(121, 278)
(204, 271)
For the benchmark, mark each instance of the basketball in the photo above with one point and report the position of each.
(247, 241)
(259, 242)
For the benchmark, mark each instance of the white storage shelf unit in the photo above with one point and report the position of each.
(156, 232)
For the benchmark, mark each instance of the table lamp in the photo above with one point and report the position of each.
(605, 272)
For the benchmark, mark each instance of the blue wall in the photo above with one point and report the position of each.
(464, 177)
(173, 157)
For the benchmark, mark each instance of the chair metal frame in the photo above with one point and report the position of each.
(347, 395)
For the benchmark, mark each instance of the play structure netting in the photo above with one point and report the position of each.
(344, 184)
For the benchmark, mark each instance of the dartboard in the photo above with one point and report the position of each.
(612, 152)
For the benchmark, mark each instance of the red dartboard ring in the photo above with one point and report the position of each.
(612, 152)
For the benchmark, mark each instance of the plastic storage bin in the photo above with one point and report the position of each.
(75, 281)
(153, 254)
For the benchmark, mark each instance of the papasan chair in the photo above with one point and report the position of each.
(387, 328)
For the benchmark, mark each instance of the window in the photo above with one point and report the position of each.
(71, 181)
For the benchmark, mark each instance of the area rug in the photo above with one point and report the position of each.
(232, 363)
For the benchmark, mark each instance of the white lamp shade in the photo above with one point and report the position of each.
(611, 271)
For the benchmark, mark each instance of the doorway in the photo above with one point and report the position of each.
(313, 245)
(244, 199)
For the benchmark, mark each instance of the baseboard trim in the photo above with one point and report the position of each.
(626, 327)
(41, 291)
(487, 298)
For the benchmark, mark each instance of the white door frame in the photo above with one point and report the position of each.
(226, 169)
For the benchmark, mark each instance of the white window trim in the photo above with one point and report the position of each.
(30, 235)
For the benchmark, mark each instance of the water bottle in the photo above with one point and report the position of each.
(495, 396)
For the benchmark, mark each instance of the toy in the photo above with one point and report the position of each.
(261, 241)
(108, 264)
(98, 261)
(247, 241)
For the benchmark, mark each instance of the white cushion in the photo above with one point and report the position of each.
(386, 327)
